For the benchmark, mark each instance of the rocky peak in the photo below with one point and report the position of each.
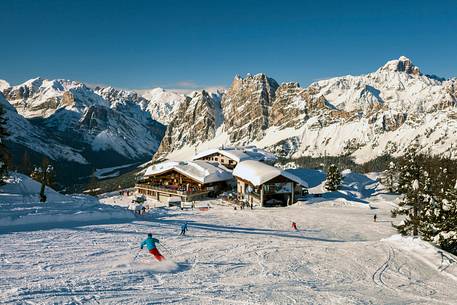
(403, 64)
(195, 121)
(246, 106)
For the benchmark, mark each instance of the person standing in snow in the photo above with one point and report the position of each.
(183, 229)
(150, 243)
(375, 217)
(294, 226)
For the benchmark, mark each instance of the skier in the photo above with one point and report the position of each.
(151, 245)
(375, 217)
(294, 226)
(183, 229)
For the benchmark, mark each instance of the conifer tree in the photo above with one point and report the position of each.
(440, 220)
(415, 187)
(333, 178)
(4, 154)
(390, 177)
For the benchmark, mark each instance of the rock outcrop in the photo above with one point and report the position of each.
(195, 121)
(246, 107)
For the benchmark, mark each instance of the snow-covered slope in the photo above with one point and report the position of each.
(338, 255)
(20, 208)
(361, 116)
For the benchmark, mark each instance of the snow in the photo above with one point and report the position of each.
(109, 172)
(258, 173)
(20, 208)
(202, 171)
(338, 256)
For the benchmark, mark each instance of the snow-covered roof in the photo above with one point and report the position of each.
(239, 154)
(258, 173)
(202, 171)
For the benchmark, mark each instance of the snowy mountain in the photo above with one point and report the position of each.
(25, 134)
(161, 103)
(361, 116)
(69, 122)
(106, 119)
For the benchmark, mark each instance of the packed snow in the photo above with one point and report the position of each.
(21, 209)
(110, 172)
(339, 255)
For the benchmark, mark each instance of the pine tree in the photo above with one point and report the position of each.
(441, 220)
(390, 177)
(45, 175)
(415, 187)
(4, 154)
(333, 178)
(26, 165)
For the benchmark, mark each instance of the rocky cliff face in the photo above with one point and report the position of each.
(246, 107)
(195, 121)
(362, 116)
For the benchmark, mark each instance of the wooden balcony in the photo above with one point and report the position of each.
(169, 190)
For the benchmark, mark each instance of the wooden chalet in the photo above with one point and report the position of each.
(190, 180)
(265, 185)
(231, 156)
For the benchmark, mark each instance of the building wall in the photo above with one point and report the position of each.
(221, 159)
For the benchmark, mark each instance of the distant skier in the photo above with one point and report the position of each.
(375, 217)
(151, 245)
(183, 229)
(294, 226)
(252, 206)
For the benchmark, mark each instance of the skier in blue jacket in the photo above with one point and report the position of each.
(150, 243)
(183, 229)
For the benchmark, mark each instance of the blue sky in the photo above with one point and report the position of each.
(191, 44)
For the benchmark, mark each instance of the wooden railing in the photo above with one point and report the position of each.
(168, 190)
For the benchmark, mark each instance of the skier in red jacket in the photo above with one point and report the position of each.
(294, 226)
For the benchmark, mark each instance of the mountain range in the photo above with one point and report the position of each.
(366, 116)
(362, 117)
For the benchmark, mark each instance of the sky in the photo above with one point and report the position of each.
(198, 44)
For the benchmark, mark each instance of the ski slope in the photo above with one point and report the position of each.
(338, 256)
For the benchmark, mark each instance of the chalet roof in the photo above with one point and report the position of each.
(239, 154)
(201, 171)
(258, 173)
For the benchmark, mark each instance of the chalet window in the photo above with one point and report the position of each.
(215, 159)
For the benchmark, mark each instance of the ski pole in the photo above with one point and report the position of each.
(138, 253)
